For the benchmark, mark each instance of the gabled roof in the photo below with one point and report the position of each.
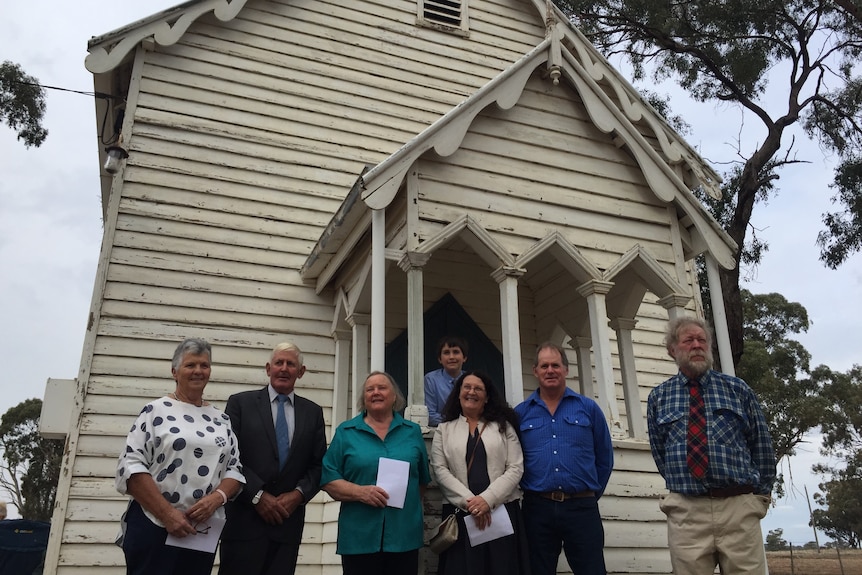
(671, 171)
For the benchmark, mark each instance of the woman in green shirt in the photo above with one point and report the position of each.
(373, 537)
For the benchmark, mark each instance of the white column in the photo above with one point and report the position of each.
(595, 291)
(631, 393)
(507, 278)
(585, 366)
(675, 305)
(719, 316)
(412, 263)
(341, 383)
(378, 290)
(360, 368)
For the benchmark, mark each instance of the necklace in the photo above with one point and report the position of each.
(178, 397)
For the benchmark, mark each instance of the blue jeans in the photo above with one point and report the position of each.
(573, 526)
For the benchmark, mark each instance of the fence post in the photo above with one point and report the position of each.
(840, 562)
(792, 566)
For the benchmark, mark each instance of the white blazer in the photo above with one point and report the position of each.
(449, 462)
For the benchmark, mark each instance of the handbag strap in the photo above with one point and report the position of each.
(475, 447)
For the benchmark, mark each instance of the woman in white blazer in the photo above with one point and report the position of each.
(477, 461)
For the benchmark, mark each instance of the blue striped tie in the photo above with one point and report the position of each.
(282, 433)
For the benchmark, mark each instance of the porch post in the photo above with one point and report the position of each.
(719, 316)
(631, 394)
(595, 291)
(507, 278)
(675, 304)
(585, 366)
(359, 323)
(340, 384)
(378, 290)
(412, 263)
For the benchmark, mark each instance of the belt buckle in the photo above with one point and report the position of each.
(558, 496)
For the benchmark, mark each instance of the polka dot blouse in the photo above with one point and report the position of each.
(187, 449)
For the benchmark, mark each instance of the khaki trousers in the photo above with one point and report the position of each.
(703, 532)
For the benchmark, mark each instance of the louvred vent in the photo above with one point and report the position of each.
(445, 12)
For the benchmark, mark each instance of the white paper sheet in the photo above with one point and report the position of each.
(206, 541)
(501, 525)
(392, 476)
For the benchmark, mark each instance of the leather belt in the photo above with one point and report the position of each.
(732, 491)
(560, 496)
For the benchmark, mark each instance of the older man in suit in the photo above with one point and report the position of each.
(282, 442)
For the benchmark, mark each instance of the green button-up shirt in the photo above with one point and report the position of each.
(354, 455)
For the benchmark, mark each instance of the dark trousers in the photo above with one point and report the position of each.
(574, 526)
(257, 557)
(406, 563)
(146, 552)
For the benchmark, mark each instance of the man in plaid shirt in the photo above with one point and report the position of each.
(719, 489)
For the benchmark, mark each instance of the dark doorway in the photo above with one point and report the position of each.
(447, 317)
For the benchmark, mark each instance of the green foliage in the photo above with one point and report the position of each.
(774, 540)
(776, 366)
(31, 463)
(841, 499)
(22, 104)
(842, 421)
(843, 234)
(841, 494)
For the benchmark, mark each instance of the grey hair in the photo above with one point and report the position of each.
(551, 345)
(400, 401)
(288, 346)
(671, 336)
(192, 345)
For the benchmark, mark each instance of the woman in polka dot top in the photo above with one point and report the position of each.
(180, 465)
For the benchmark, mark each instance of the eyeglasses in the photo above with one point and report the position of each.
(473, 388)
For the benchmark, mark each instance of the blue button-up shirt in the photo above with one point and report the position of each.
(570, 450)
(740, 446)
(438, 386)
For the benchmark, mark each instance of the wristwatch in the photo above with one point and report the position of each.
(256, 499)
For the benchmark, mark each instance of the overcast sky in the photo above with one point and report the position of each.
(51, 228)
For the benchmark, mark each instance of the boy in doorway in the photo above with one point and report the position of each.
(451, 353)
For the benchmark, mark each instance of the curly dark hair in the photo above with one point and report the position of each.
(495, 410)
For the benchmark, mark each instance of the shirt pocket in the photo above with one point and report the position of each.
(579, 429)
(533, 432)
(672, 426)
(728, 427)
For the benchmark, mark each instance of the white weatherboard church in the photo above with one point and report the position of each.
(358, 177)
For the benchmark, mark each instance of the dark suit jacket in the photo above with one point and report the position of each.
(251, 418)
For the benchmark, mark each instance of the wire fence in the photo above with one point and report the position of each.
(824, 561)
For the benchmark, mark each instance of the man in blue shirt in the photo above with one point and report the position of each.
(451, 353)
(568, 459)
(720, 492)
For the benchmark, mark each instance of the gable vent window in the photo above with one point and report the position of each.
(447, 15)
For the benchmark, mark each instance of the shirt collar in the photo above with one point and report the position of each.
(273, 394)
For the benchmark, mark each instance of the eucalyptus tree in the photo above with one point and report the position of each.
(732, 52)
